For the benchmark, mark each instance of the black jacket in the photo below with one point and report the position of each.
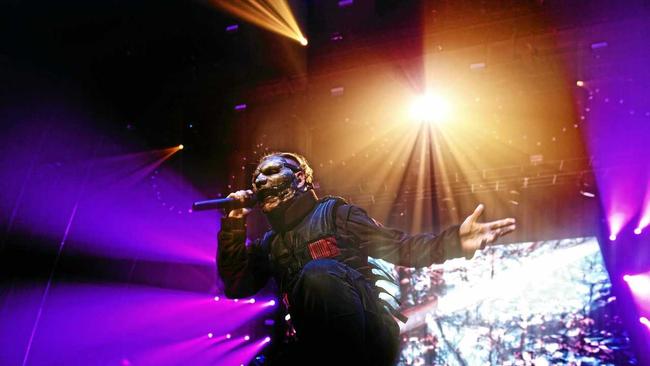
(245, 269)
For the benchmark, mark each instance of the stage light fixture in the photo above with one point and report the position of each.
(345, 3)
(580, 83)
(217, 298)
(643, 320)
(336, 36)
(587, 186)
(587, 194)
(337, 91)
(637, 231)
(210, 335)
(271, 303)
(616, 222)
(228, 336)
(627, 278)
(639, 285)
(645, 217)
(597, 45)
(430, 108)
(303, 41)
(246, 338)
(180, 147)
(252, 301)
(477, 66)
(266, 340)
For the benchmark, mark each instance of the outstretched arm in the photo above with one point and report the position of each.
(418, 250)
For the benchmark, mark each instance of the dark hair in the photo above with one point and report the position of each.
(302, 162)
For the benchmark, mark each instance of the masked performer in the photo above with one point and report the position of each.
(317, 252)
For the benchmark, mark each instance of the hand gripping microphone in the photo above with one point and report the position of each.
(224, 203)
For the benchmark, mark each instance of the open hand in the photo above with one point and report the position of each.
(476, 235)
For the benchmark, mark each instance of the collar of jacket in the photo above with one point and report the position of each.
(297, 209)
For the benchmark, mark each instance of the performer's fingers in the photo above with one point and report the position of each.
(242, 195)
(505, 230)
(484, 243)
(501, 223)
(477, 212)
(496, 234)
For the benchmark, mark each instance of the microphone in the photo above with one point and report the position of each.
(225, 203)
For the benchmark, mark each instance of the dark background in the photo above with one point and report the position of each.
(152, 74)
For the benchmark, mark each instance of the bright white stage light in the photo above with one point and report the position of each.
(430, 108)
(644, 321)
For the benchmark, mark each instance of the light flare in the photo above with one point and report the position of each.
(431, 107)
(643, 320)
(616, 222)
(639, 285)
(275, 16)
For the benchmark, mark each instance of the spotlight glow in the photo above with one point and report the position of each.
(275, 16)
(228, 336)
(616, 222)
(643, 320)
(266, 340)
(645, 218)
(210, 335)
(246, 338)
(180, 147)
(580, 83)
(271, 303)
(637, 231)
(430, 108)
(639, 285)
(252, 301)
(216, 298)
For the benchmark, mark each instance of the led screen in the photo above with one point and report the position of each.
(541, 303)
